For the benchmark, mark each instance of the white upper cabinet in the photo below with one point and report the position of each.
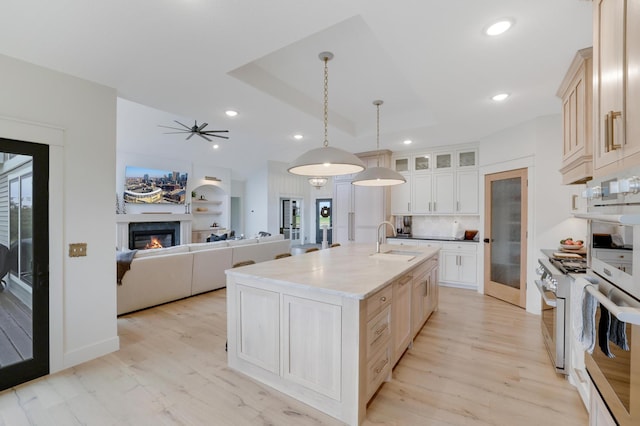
(438, 183)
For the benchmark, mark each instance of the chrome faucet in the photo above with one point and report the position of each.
(380, 239)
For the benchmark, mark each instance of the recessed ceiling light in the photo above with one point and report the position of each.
(297, 136)
(231, 113)
(499, 27)
(216, 146)
(500, 97)
(407, 142)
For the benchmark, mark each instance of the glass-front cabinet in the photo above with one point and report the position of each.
(443, 161)
(466, 158)
(422, 163)
(401, 165)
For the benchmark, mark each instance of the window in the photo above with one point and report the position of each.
(21, 224)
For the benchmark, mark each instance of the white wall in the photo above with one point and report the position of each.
(140, 142)
(256, 203)
(77, 119)
(537, 146)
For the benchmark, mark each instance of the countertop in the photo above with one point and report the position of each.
(433, 238)
(348, 270)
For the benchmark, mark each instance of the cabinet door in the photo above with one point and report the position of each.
(418, 292)
(258, 342)
(422, 194)
(609, 68)
(468, 268)
(312, 345)
(448, 266)
(401, 315)
(443, 193)
(401, 197)
(467, 192)
(633, 78)
(368, 208)
(467, 158)
(344, 215)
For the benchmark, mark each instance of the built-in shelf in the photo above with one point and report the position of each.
(213, 213)
(209, 202)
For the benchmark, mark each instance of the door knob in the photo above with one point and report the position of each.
(487, 240)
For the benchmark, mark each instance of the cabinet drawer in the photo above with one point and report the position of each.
(613, 255)
(429, 244)
(378, 301)
(460, 247)
(378, 331)
(378, 370)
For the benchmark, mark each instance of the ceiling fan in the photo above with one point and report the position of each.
(196, 130)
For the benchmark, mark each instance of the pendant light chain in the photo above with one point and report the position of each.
(326, 101)
(377, 104)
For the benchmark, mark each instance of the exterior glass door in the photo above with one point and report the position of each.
(291, 220)
(505, 236)
(323, 215)
(24, 257)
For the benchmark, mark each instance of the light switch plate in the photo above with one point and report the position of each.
(77, 249)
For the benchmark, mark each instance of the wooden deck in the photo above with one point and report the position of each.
(15, 330)
(477, 361)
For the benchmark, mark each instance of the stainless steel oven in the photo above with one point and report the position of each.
(614, 369)
(614, 271)
(554, 285)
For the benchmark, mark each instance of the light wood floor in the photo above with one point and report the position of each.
(478, 361)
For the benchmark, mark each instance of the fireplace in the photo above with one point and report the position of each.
(146, 235)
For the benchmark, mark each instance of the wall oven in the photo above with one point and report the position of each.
(615, 368)
(613, 279)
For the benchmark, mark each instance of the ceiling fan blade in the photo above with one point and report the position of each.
(183, 125)
(206, 132)
(203, 136)
(169, 127)
(218, 136)
(175, 133)
(190, 136)
(202, 126)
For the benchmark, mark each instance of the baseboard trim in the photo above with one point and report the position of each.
(90, 352)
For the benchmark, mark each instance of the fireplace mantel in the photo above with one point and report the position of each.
(123, 221)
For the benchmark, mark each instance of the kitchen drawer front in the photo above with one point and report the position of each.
(613, 255)
(460, 247)
(378, 301)
(429, 244)
(378, 331)
(378, 369)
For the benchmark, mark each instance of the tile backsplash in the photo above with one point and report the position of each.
(442, 226)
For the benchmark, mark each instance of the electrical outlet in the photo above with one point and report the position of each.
(77, 249)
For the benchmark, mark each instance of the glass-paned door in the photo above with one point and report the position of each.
(291, 220)
(323, 215)
(505, 236)
(24, 262)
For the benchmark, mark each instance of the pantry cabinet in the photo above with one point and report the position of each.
(576, 92)
(616, 90)
(359, 209)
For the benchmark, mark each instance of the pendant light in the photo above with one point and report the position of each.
(378, 176)
(326, 161)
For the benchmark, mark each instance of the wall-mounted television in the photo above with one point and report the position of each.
(151, 186)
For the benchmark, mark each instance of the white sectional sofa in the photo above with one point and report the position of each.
(162, 275)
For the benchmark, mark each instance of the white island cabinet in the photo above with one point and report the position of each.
(320, 326)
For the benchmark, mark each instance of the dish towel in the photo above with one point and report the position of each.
(583, 312)
(603, 331)
(618, 330)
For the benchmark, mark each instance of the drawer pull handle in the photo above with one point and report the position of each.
(383, 299)
(381, 329)
(379, 369)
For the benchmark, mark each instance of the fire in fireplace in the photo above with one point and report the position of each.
(147, 235)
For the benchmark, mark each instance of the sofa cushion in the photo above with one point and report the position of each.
(161, 251)
(277, 237)
(207, 246)
(233, 243)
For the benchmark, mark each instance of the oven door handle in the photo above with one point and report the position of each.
(551, 302)
(623, 313)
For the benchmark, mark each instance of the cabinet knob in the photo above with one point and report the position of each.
(383, 299)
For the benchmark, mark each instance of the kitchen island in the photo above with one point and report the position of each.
(327, 327)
